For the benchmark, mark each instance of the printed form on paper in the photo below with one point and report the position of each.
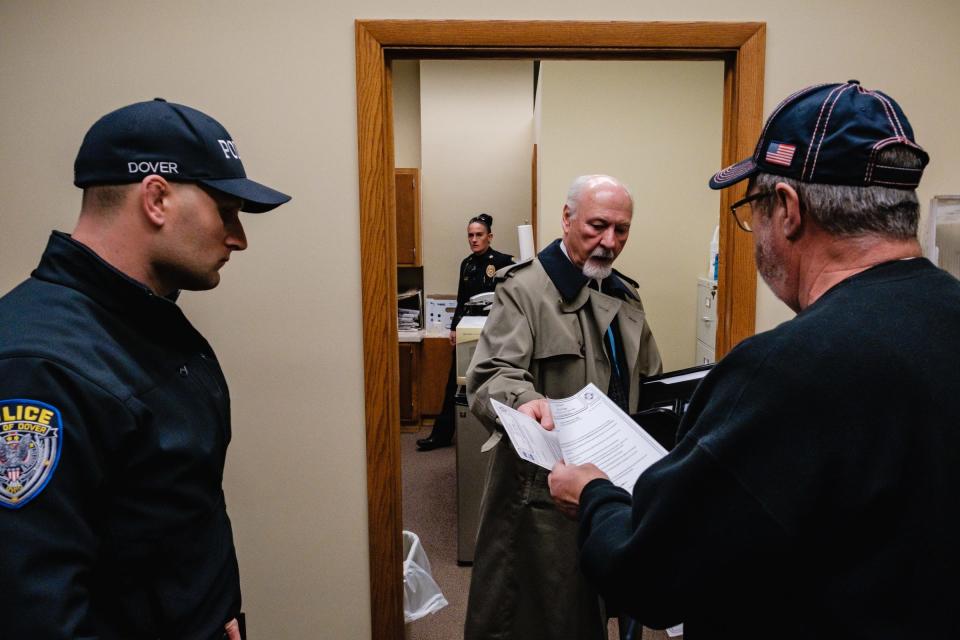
(588, 427)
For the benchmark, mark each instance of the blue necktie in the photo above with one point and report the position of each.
(613, 350)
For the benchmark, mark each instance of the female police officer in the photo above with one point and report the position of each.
(476, 276)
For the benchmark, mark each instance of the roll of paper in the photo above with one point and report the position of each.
(525, 235)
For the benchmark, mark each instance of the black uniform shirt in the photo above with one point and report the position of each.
(476, 276)
(115, 424)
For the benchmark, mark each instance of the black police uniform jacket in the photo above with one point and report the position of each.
(477, 276)
(120, 529)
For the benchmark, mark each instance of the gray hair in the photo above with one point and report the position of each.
(843, 210)
(576, 190)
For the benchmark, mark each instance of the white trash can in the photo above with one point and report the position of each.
(421, 595)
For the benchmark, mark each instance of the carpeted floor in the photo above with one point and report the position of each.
(430, 511)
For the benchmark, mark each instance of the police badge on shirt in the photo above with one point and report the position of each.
(29, 449)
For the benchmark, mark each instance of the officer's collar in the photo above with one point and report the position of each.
(482, 256)
(569, 279)
(71, 263)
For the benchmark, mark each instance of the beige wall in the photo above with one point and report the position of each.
(406, 113)
(476, 124)
(286, 321)
(657, 127)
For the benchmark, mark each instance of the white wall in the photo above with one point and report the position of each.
(656, 126)
(476, 124)
(286, 320)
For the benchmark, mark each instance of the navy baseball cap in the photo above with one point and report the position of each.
(171, 140)
(831, 134)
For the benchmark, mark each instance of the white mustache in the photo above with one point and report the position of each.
(600, 252)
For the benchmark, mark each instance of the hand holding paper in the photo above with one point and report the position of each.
(589, 427)
(566, 483)
(531, 441)
(539, 410)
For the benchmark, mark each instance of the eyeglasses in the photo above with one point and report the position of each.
(743, 220)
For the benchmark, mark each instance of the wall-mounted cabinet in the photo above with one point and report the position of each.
(408, 217)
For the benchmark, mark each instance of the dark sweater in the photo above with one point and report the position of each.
(812, 492)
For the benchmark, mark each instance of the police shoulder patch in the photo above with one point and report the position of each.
(30, 442)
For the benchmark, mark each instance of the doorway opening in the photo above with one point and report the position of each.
(741, 48)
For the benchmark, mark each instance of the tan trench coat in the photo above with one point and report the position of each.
(525, 581)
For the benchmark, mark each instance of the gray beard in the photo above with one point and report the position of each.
(770, 270)
(596, 270)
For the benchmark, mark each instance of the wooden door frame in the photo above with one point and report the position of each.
(741, 45)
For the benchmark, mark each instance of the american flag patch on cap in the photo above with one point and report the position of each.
(780, 153)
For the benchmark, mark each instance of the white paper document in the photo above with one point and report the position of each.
(588, 427)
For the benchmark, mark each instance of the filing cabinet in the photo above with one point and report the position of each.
(706, 321)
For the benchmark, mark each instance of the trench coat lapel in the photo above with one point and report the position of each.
(604, 309)
(632, 320)
(576, 303)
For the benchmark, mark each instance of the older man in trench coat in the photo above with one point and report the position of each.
(558, 322)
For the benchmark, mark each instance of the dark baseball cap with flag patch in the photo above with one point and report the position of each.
(831, 134)
(171, 140)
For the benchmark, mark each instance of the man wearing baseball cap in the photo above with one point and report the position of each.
(114, 413)
(812, 490)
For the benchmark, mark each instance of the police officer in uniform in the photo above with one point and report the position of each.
(476, 276)
(114, 412)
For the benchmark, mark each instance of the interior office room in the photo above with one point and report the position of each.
(506, 137)
(288, 319)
